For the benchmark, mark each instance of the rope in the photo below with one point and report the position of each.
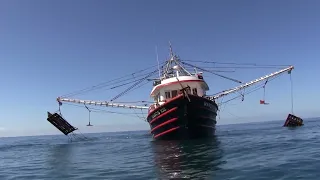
(243, 67)
(126, 83)
(231, 79)
(133, 102)
(291, 93)
(89, 113)
(141, 111)
(60, 109)
(257, 87)
(142, 118)
(264, 90)
(250, 64)
(135, 84)
(264, 93)
(108, 83)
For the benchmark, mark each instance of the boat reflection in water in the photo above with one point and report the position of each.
(192, 159)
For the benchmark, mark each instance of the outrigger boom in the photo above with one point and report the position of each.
(100, 103)
(223, 93)
(212, 98)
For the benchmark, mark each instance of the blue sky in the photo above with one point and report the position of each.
(50, 48)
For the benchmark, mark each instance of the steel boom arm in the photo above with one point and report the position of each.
(100, 103)
(226, 92)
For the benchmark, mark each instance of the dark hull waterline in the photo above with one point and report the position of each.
(183, 118)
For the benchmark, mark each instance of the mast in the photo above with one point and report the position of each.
(171, 52)
(173, 63)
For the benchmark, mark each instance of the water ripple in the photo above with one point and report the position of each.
(248, 151)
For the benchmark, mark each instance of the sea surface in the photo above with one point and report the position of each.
(244, 151)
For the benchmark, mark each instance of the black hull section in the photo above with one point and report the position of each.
(180, 118)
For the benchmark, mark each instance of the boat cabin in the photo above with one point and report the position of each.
(174, 78)
(171, 87)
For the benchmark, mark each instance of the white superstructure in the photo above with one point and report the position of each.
(174, 78)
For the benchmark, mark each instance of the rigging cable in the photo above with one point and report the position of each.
(264, 92)
(212, 72)
(135, 84)
(252, 64)
(136, 80)
(60, 104)
(89, 116)
(257, 87)
(243, 67)
(291, 92)
(141, 109)
(191, 69)
(132, 102)
(103, 84)
(97, 110)
(274, 77)
(137, 114)
(135, 89)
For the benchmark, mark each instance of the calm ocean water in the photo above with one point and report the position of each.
(246, 151)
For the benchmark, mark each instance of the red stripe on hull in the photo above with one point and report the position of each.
(181, 119)
(165, 132)
(165, 113)
(167, 122)
(170, 100)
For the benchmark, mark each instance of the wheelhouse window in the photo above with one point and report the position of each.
(194, 91)
(167, 95)
(174, 93)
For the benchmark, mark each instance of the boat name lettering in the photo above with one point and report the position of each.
(157, 113)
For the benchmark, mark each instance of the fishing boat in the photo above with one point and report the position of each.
(181, 107)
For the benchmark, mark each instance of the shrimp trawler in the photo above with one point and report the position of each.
(181, 107)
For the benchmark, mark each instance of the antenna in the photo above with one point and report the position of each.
(171, 52)
(158, 61)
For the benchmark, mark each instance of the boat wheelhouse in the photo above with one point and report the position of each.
(174, 79)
